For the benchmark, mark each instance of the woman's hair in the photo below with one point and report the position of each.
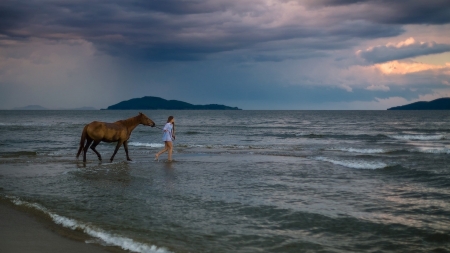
(168, 120)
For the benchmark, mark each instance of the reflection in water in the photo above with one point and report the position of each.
(169, 175)
(106, 174)
(81, 164)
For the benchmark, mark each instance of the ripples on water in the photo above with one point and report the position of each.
(243, 181)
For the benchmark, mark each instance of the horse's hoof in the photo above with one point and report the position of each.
(129, 160)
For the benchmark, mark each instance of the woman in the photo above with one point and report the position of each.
(168, 137)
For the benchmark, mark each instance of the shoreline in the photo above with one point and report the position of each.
(23, 232)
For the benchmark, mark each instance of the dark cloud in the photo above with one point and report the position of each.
(13, 17)
(413, 12)
(160, 30)
(182, 7)
(157, 30)
(387, 53)
(392, 12)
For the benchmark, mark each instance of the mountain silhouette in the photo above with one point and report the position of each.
(156, 103)
(438, 104)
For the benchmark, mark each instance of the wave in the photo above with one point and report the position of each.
(33, 124)
(362, 150)
(192, 132)
(311, 135)
(420, 137)
(141, 144)
(220, 146)
(354, 164)
(105, 237)
(434, 150)
(427, 150)
(18, 153)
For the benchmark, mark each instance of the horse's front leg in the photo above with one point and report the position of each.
(125, 146)
(119, 143)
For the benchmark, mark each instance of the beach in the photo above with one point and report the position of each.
(23, 233)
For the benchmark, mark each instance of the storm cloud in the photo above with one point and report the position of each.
(391, 12)
(195, 29)
(246, 53)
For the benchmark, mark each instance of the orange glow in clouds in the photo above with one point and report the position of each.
(403, 68)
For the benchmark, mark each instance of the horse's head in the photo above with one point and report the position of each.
(146, 120)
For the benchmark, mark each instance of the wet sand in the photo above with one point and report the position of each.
(22, 233)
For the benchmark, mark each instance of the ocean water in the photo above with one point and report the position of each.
(242, 181)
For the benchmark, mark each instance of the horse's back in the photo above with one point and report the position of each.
(105, 131)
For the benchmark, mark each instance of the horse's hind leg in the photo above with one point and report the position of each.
(93, 148)
(88, 143)
(79, 151)
(119, 143)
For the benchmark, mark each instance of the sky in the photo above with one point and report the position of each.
(253, 54)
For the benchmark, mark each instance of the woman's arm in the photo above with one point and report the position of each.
(166, 127)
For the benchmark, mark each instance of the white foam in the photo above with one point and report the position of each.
(354, 164)
(108, 238)
(434, 150)
(420, 137)
(219, 146)
(361, 150)
(141, 144)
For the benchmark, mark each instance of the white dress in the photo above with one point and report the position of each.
(167, 132)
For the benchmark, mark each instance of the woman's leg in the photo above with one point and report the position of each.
(170, 146)
(166, 147)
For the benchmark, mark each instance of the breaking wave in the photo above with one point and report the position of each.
(354, 164)
(361, 150)
(419, 137)
(220, 146)
(434, 150)
(141, 144)
(104, 236)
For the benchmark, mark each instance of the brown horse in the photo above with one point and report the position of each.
(118, 131)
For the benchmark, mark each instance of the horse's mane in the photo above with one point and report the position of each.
(129, 121)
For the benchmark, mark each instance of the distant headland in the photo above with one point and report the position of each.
(438, 104)
(156, 103)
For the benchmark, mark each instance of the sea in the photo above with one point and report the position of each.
(241, 181)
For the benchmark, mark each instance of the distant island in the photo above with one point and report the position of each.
(156, 103)
(31, 107)
(438, 104)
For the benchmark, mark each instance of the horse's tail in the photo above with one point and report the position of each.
(83, 139)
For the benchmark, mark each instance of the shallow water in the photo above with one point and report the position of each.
(242, 181)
